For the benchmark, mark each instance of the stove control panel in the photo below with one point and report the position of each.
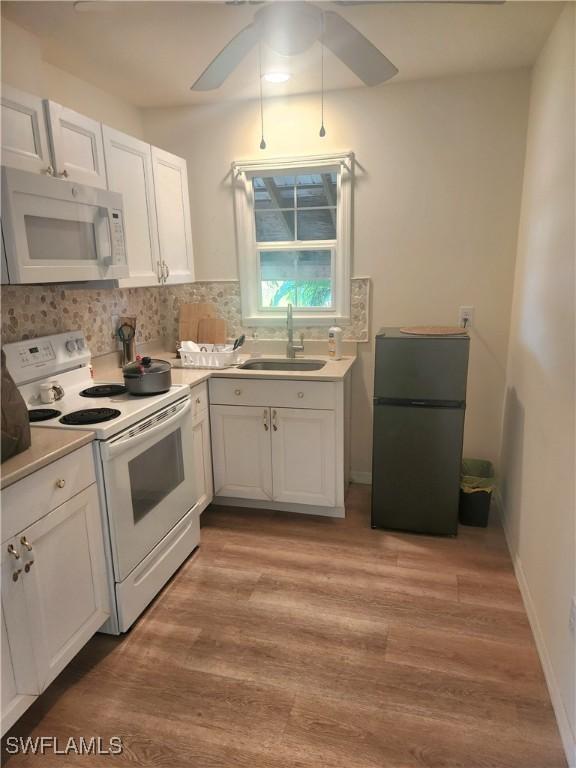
(33, 359)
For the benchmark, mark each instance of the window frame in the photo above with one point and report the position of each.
(253, 314)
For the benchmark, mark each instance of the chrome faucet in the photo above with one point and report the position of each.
(292, 348)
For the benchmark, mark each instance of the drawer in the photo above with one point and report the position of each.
(283, 394)
(199, 395)
(33, 497)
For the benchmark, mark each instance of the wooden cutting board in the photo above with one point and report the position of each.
(434, 330)
(212, 330)
(190, 316)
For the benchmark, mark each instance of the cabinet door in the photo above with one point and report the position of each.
(304, 456)
(24, 136)
(129, 171)
(65, 589)
(241, 451)
(19, 680)
(4, 276)
(173, 211)
(202, 454)
(77, 146)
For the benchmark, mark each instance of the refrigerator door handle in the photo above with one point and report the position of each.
(399, 402)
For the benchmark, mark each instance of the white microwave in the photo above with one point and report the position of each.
(60, 231)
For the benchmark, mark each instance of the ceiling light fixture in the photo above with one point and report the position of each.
(276, 77)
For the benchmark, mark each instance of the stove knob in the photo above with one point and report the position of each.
(71, 345)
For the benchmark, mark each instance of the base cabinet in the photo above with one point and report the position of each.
(268, 453)
(241, 451)
(202, 461)
(304, 456)
(54, 597)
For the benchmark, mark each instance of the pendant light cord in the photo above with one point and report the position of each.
(262, 140)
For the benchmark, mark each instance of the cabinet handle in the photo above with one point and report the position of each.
(16, 574)
(166, 270)
(62, 175)
(28, 565)
(237, 391)
(159, 271)
(60, 483)
(198, 401)
(14, 552)
(49, 171)
(274, 424)
(25, 543)
(265, 418)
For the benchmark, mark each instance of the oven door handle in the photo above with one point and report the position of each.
(109, 450)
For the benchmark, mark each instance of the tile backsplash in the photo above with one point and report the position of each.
(38, 310)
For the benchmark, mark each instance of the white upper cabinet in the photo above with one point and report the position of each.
(173, 210)
(24, 136)
(129, 170)
(77, 147)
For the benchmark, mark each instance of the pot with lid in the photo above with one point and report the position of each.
(147, 376)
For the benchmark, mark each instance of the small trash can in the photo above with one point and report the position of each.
(477, 482)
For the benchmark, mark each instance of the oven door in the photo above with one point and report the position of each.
(149, 483)
(59, 232)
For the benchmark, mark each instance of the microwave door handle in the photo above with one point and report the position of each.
(104, 225)
(109, 450)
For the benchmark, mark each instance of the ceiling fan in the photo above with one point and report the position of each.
(291, 27)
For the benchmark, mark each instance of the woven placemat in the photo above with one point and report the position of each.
(434, 330)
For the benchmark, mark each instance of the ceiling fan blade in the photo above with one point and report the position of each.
(228, 59)
(356, 51)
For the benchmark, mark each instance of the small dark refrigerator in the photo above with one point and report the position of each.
(419, 407)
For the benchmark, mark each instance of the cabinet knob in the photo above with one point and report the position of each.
(16, 574)
(63, 175)
(60, 483)
(25, 543)
(49, 171)
(28, 565)
(198, 401)
(13, 551)
(237, 391)
(300, 395)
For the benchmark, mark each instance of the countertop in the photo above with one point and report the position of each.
(47, 446)
(106, 369)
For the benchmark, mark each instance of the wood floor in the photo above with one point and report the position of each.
(290, 641)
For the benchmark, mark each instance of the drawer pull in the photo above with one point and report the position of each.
(25, 543)
(28, 565)
(274, 424)
(13, 551)
(300, 395)
(265, 419)
(237, 391)
(60, 483)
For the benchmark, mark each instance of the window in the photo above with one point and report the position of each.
(293, 232)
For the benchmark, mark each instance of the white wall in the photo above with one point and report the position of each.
(438, 187)
(23, 67)
(538, 459)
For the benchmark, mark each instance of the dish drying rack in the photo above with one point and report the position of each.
(209, 356)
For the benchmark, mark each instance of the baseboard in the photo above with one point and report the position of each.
(363, 478)
(566, 733)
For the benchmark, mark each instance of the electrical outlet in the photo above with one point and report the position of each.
(466, 317)
(573, 616)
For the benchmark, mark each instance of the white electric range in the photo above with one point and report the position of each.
(143, 453)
